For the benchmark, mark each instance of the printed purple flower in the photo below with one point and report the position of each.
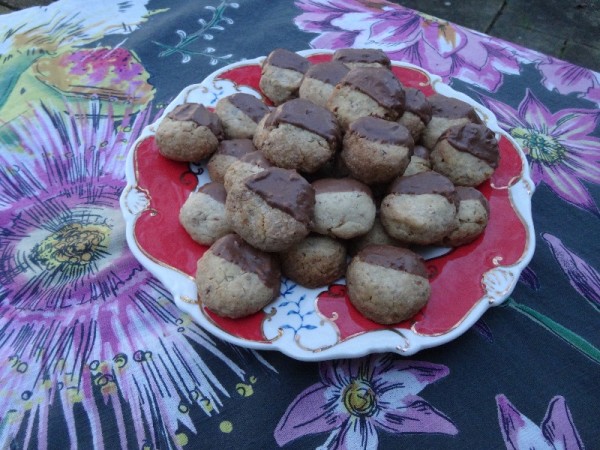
(560, 147)
(406, 35)
(583, 277)
(356, 398)
(557, 430)
(567, 78)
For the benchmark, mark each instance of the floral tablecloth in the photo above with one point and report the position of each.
(95, 354)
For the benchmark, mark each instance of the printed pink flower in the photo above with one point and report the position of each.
(557, 430)
(406, 35)
(357, 397)
(559, 145)
(567, 78)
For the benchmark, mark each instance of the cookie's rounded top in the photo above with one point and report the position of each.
(452, 108)
(214, 190)
(285, 190)
(396, 258)
(470, 193)
(327, 72)
(380, 130)
(362, 55)
(197, 113)
(234, 249)
(286, 59)
(421, 151)
(476, 139)
(236, 147)
(308, 116)
(417, 103)
(378, 83)
(334, 185)
(424, 183)
(256, 158)
(249, 105)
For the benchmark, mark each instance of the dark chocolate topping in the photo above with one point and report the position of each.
(424, 183)
(421, 152)
(362, 55)
(214, 190)
(417, 103)
(198, 114)
(470, 193)
(476, 139)
(285, 190)
(452, 108)
(330, 185)
(236, 147)
(235, 250)
(396, 258)
(256, 159)
(384, 131)
(378, 83)
(249, 105)
(285, 59)
(308, 116)
(327, 72)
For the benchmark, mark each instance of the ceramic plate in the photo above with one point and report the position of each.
(321, 324)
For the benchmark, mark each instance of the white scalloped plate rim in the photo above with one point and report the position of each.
(499, 282)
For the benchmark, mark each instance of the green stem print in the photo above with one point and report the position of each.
(573, 339)
(185, 40)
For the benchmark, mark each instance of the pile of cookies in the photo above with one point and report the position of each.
(347, 163)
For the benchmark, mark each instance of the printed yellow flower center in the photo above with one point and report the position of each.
(359, 399)
(73, 245)
(541, 147)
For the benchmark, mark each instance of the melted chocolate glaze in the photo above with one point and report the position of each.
(214, 190)
(236, 147)
(362, 55)
(249, 105)
(198, 114)
(380, 130)
(470, 193)
(378, 83)
(327, 72)
(396, 258)
(424, 183)
(417, 103)
(452, 108)
(332, 185)
(476, 139)
(285, 59)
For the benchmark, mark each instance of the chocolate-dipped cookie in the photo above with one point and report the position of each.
(362, 57)
(473, 215)
(377, 235)
(203, 214)
(249, 164)
(367, 91)
(189, 132)
(417, 112)
(281, 75)
(239, 114)
(272, 210)
(320, 80)
(387, 284)
(376, 150)
(228, 152)
(344, 208)
(420, 161)
(315, 261)
(467, 154)
(420, 209)
(235, 280)
(298, 135)
(446, 112)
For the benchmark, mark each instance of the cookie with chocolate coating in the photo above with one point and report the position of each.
(377, 235)
(344, 208)
(239, 114)
(376, 150)
(420, 209)
(189, 133)
(281, 75)
(272, 210)
(387, 284)
(320, 80)
(315, 261)
(228, 152)
(446, 112)
(467, 154)
(420, 161)
(203, 214)
(362, 57)
(367, 91)
(473, 216)
(234, 279)
(249, 164)
(298, 135)
(417, 112)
